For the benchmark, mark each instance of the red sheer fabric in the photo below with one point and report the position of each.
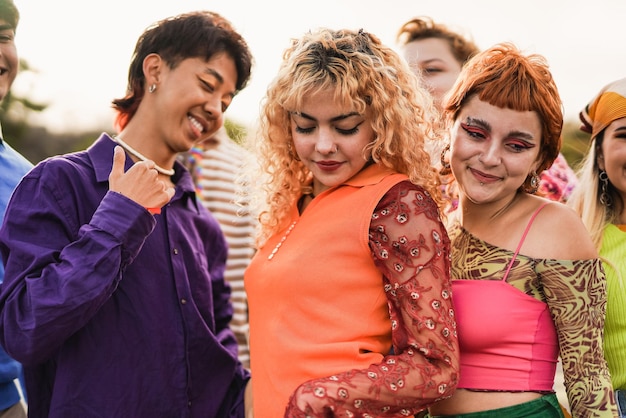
(411, 248)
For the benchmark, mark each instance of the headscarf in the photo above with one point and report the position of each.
(607, 106)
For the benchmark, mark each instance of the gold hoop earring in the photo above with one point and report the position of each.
(533, 184)
(445, 165)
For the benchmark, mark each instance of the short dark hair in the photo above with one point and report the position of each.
(9, 13)
(199, 34)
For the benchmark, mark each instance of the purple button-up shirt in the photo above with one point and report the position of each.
(112, 311)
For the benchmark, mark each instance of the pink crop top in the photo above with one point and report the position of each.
(507, 339)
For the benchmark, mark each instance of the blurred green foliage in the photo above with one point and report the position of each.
(575, 143)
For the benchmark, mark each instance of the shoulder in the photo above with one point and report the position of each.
(61, 175)
(59, 165)
(558, 233)
(410, 192)
(411, 198)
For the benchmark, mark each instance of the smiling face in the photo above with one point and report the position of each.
(329, 139)
(8, 58)
(613, 156)
(493, 150)
(433, 60)
(192, 97)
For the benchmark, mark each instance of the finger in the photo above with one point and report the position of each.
(170, 193)
(157, 210)
(119, 158)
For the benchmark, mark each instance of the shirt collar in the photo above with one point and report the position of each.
(101, 156)
(371, 174)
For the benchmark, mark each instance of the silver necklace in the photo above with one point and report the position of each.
(141, 157)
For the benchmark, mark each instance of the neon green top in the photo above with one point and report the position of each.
(613, 252)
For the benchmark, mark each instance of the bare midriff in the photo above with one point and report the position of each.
(465, 401)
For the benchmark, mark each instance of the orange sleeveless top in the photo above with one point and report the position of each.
(317, 305)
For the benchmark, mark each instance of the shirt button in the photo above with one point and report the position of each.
(175, 251)
(183, 301)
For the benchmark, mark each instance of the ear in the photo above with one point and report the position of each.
(152, 65)
(600, 159)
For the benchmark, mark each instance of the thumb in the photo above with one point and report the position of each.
(119, 157)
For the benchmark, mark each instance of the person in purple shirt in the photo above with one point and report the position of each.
(114, 298)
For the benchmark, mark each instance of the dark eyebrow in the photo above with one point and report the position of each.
(335, 119)
(6, 26)
(522, 135)
(487, 126)
(218, 76)
(478, 122)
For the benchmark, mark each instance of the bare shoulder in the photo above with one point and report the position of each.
(558, 233)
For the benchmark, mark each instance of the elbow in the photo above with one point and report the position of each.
(21, 351)
(450, 381)
(449, 372)
(451, 386)
(25, 348)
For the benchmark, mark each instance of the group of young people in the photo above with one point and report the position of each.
(372, 291)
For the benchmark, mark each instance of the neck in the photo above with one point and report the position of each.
(479, 213)
(141, 157)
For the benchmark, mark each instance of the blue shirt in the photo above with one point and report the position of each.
(112, 311)
(13, 166)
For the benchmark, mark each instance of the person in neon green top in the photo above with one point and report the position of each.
(600, 199)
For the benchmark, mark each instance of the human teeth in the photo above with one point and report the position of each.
(195, 123)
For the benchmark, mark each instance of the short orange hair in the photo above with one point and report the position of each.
(504, 77)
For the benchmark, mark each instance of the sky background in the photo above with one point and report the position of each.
(81, 49)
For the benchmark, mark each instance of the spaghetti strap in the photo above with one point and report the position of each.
(521, 241)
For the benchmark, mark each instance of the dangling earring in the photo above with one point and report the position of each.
(534, 183)
(152, 88)
(445, 165)
(605, 197)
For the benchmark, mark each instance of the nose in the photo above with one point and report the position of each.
(491, 156)
(213, 106)
(325, 143)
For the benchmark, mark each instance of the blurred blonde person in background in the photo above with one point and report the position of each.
(600, 199)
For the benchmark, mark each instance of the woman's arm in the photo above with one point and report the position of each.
(576, 295)
(411, 248)
(574, 286)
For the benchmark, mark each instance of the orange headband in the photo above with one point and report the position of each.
(607, 106)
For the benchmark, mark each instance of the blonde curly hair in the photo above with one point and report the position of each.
(364, 74)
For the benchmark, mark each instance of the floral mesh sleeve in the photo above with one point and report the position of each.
(411, 248)
(576, 294)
